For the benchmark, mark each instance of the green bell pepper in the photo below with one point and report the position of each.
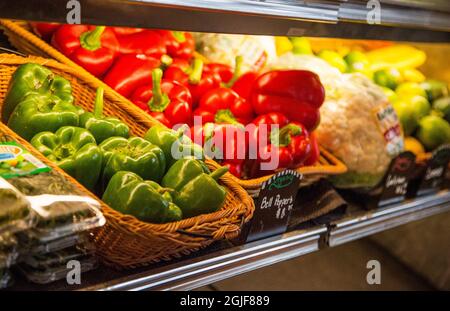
(74, 150)
(39, 113)
(134, 154)
(102, 127)
(165, 138)
(146, 200)
(34, 79)
(196, 191)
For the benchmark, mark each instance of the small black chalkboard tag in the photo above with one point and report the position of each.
(435, 171)
(274, 205)
(396, 181)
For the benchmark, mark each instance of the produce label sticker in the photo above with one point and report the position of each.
(274, 205)
(389, 125)
(397, 178)
(435, 171)
(15, 161)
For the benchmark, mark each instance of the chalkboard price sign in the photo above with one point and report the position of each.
(397, 178)
(435, 171)
(274, 205)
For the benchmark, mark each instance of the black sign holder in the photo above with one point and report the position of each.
(435, 172)
(393, 187)
(397, 178)
(273, 206)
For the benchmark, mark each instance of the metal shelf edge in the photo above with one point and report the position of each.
(271, 17)
(222, 264)
(368, 223)
(219, 265)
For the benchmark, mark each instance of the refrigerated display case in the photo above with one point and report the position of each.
(330, 24)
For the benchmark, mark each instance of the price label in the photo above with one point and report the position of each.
(397, 178)
(274, 205)
(435, 171)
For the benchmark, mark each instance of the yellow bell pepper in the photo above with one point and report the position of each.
(412, 75)
(397, 56)
(283, 45)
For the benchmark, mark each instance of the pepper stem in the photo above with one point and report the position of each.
(159, 100)
(180, 131)
(219, 173)
(208, 130)
(282, 137)
(166, 61)
(179, 36)
(226, 116)
(167, 193)
(47, 83)
(91, 40)
(237, 71)
(196, 71)
(98, 106)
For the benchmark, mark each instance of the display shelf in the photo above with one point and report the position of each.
(346, 19)
(223, 260)
(364, 223)
(221, 264)
(229, 262)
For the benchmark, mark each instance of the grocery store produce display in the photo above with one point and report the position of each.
(420, 103)
(196, 72)
(119, 126)
(71, 146)
(75, 149)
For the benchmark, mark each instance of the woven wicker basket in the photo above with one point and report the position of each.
(125, 241)
(20, 36)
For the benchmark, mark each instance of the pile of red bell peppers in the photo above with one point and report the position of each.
(157, 71)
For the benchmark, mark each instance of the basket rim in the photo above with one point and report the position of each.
(245, 208)
(333, 166)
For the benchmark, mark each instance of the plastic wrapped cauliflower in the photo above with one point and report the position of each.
(358, 124)
(256, 51)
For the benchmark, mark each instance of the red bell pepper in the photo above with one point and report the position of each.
(197, 80)
(170, 63)
(222, 105)
(297, 93)
(180, 63)
(44, 30)
(287, 146)
(225, 72)
(244, 84)
(315, 151)
(125, 31)
(131, 71)
(168, 101)
(179, 44)
(227, 142)
(147, 42)
(93, 48)
(237, 169)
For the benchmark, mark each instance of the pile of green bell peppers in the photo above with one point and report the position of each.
(159, 178)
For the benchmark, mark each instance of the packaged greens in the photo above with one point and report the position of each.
(62, 215)
(5, 278)
(32, 246)
(15, 212)
(8, 250)
(61, 208)
(51, 267)
(62, 257)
